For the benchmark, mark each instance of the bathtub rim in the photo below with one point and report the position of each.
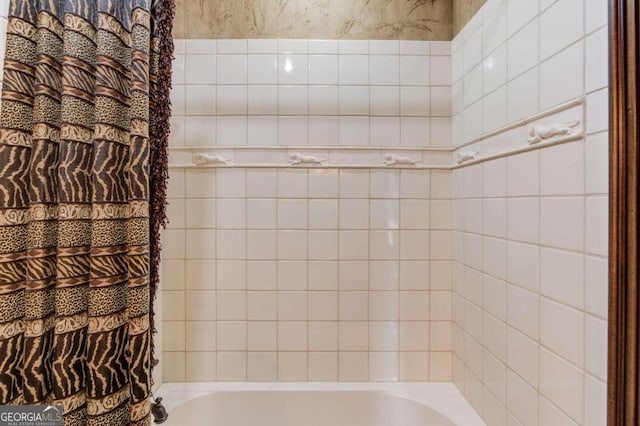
(443, 397)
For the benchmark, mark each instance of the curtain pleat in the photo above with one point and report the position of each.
(75, 143)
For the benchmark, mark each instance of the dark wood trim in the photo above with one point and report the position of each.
(624, 160)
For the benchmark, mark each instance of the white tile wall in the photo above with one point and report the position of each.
(299, 92)
(347, 274)
(323, 275)
(529, 345)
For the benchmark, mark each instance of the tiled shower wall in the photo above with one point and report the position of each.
(530, 229)
(306, 92)
(309, 274)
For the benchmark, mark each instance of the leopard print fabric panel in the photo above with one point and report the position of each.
(74, 139)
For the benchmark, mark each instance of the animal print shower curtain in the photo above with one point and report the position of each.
(83, 132)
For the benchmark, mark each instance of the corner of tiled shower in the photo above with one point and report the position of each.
(340, 273)
(491, 275)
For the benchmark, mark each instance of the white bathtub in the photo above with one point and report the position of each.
(316, 404)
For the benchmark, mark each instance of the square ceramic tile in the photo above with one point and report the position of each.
(415, 101)
(596, 347)
(354, 100)
(354, 131)
(561, 25)
(324, 131)
(262, 100)
(598, 111)
(472, 51)
(292, 306)
(385, 131)
(385, 100)
(323, 275)
(353, 366)
(523, 49)
(353, 46)
(261, 244)
(232, 366)
(416, 47)
(200, 131)
(323, 69)
(230, 46)
(597, 230)
(262, 335)
(353, 275)
(323, 46)
(562, 330)
(473, 84)
(262, 305)
(262, 366)
(231, 335)
(200, 69)
(524, 95)
(494, 29)
(262, 46)
(324, 183)
(441, 132)
(200, 336)
(293, 69)
(596, 14)
(563, 169)
(262, 130)
(231, 100)
(292, 245)
(523, 311)
(597, 71)
(354, 69)
(568, 67)
(416, 132)
(385, 70)
(231, 131)
(292, 336)
(415, 70)
(201, 100)
(519, 12)
(263, 69)
(323, 306)
(261, 183)
(522, 174)
(199, 47)
(494, 107)
(440, 71)
(440, 101)
(200, 366)
(384, 275)
(323, 100)
(384, 47)
(522, 356)
(383, 366)
(231, 69)
(292, 100)
(354, 214)
(292, 131)
(561, 383)
(231, 275)
(522, 399)
(562, 222)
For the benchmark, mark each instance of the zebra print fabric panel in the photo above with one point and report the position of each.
(74, 208)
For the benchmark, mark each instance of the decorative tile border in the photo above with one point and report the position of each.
(561, 124)
(310, 157)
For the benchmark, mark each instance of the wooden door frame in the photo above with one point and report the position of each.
(624, 161)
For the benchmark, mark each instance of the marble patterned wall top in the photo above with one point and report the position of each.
(463, 11)
(319, 19)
